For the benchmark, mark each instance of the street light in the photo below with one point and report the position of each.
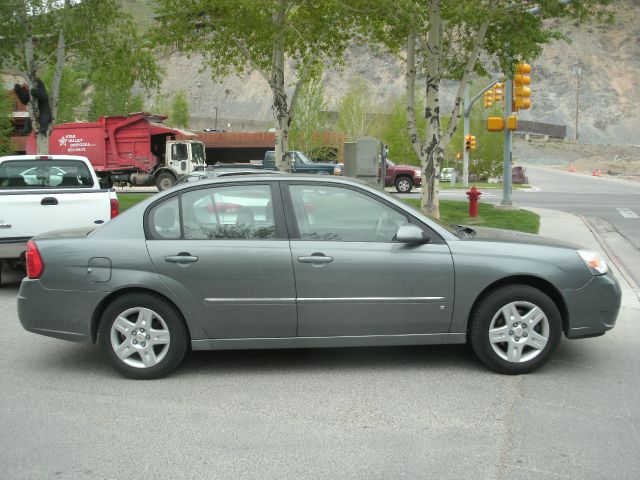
(577, 72)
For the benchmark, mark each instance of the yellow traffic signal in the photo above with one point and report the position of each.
(497, 92)
(467, 142)
(522, 93)
(458, 156)
(488, 98)
(495, 124)
(473, 142)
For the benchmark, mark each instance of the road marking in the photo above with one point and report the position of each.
(627, 213)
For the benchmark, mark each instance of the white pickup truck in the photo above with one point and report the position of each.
(39, 193)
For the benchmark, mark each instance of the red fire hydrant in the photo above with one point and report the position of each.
(474, 195)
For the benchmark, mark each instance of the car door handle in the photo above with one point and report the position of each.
(182, 257)
(316, 258)
(49, 201)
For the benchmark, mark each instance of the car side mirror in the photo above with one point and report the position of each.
(411, 234)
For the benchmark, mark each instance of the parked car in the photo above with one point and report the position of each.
(39, 193)
(402, 177)
(447, 174)
(287, 261)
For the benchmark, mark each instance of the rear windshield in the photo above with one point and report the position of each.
(44, 174)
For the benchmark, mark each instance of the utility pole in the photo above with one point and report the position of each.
(467, 120)
(508, 141)
(577, 71)
(215, 127)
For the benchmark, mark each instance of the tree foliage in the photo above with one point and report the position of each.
(284, 40)
(179, 110)
(310, 119)
(6, 126)
(43, 34)
(355, 111)
(453, 39)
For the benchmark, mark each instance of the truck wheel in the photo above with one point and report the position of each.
(165, 180)
(403, 184)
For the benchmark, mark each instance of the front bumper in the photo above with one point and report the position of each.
(64, 314)
(417, 181)
(593, 309)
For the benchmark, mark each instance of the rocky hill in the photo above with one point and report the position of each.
(609, 57)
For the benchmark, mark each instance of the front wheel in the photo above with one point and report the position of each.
(515, 329)
(142, 336)
(404, 185)
(164, 181)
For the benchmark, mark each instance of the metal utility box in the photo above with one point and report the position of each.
(361, 160)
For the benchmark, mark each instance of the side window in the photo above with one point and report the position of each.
(343, 215)
(164, 220)
(179, 151)
(234, 212)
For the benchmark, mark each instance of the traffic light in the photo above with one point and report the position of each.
(488, 98)
(521, 92)
(497, 92)
(469, 142)
(458, 156)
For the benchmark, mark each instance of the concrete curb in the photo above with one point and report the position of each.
(612, 256)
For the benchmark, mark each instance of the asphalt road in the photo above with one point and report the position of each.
(410, 412)
(611, 206)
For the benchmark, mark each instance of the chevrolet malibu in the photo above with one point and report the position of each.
(299, 262)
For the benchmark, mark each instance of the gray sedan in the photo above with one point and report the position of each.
(289, 262)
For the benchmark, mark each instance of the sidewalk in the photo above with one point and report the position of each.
(572, 228)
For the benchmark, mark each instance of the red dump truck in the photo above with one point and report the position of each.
(137, 149)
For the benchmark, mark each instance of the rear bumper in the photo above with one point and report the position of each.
(64, 314)
(594, 308)
(13, 247)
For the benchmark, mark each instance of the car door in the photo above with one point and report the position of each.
(223, 250)
(352, 278)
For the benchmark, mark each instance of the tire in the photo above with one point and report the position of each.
(164, 181)
(143, 336)
(528, 321)
(403, 184)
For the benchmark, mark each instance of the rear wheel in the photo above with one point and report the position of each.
(515, 329)
(403, 184)
(142, 336)
(164, 181)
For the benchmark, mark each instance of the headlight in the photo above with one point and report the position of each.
(417, 173)
(594, 261)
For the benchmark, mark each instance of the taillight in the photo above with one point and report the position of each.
(35, 265)
(115, 207)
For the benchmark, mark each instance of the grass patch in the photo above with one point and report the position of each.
(127, 201)
(488, 216)
(483, 186)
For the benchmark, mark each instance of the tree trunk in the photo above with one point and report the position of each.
(410, 77)
(281, 110)
(430, 199)
(57, 76)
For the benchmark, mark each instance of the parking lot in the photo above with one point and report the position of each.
(406, 412)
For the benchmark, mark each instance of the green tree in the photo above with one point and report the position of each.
(40, 33)
(392, 130)
(284, 40)
(445, 40)
(310, 118)
(70, 97)
(6, 125)
(355, 111)
(179, 110)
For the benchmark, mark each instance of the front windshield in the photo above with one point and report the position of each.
(197, 149)
(301, 158)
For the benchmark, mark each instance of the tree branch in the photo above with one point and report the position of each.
(456, 112)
